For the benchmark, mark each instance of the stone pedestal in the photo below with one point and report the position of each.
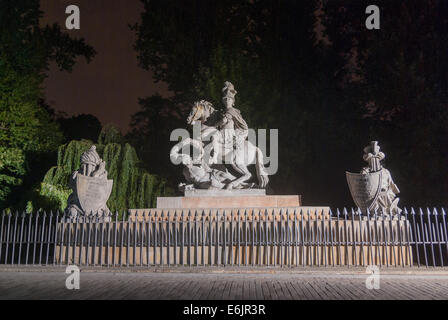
(228, 199)
(224, 193)
(245, 198)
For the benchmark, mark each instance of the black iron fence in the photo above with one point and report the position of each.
(227, 237)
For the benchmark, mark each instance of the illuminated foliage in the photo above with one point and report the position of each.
(133, 186)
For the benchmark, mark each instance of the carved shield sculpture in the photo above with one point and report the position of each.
(365, 188)
(93, 193)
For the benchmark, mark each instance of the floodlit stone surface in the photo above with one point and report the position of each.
(222, 145)
(91, 188)
(246, 201)
(373, 188)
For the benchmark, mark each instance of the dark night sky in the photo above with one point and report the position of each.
(108, 87)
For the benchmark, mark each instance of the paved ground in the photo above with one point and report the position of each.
(325, 285)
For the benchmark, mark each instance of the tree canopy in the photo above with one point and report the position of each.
(312, 70)
(27, 131)
(399, 80)
(133, 186)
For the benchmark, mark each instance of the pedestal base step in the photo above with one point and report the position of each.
(226, 201)
(226, 193)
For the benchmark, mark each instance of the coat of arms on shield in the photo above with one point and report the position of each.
(365, 188)
(93, 193)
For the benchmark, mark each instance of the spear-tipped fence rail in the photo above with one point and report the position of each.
(286, 237)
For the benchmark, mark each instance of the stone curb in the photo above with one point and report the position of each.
(234, 270)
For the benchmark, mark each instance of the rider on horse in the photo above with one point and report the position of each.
(233, 129)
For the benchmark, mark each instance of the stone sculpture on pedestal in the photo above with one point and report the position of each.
(226, 136)
(198, 173)
(91, 188)
(374, 188)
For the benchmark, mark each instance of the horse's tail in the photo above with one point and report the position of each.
(263, 178)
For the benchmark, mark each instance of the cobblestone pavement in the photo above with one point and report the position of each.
(218, 286)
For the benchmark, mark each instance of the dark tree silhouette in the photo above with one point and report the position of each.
(401, 75)
(29, 136)
(83, 126)
(312, 70)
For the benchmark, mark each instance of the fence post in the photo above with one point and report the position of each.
(196, 238)
(203, 237)
(56, 227)
(445, 232)
(210, 237)
(135, 231)
(370, 236)
(408, 236)
(316, 235)
(331, 237)
(439, 235)
(189, 238)
(245, 237)
(430, 236)
(378, 244)
(252, 231)
(182, 261)
(175, 237)
(161, 233)
(324, 238)
(21, 237)
(114, 247)
(49, 237)
(154, 235)
(16, 217)
(361, 238)
(108, 238)
(423, 236)
(35, 237)
(260, 238)
(231, 237)
(223, 232)
(75, 240)
(267, 240)
(30, 222)
(302, 244)
(168, 242)
(148, 236)
(338, 236)
(400, 236)
(2, 227)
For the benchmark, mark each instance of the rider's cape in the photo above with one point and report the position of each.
(238, 120)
